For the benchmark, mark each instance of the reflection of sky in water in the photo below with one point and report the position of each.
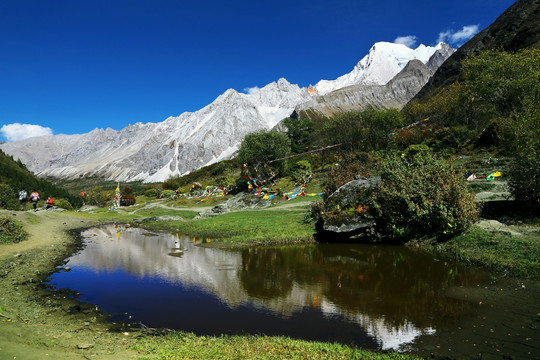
(375, 297)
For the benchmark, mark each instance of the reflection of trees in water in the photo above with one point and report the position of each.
(264, 273)
(400, 284)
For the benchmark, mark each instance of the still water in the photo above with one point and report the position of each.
(376, 297)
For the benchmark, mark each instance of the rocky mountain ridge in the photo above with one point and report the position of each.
(388, 76)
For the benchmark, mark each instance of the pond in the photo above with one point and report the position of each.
(376, 297)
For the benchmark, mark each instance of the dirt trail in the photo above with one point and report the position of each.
(40, 324)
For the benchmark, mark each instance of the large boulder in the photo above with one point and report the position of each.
(345, 212)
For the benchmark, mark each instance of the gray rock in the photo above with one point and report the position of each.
(240, 201)
(494, 226)
(350, 194)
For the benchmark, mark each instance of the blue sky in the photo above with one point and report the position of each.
(68, 67)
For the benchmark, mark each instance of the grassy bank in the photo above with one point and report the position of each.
(250, 227)
(179, 345)
(517, 256)
(280, 224)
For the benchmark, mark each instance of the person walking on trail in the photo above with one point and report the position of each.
(34, 198)
(22, 198)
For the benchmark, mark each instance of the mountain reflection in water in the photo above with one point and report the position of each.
(377, 297)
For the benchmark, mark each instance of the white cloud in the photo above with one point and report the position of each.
(16, 131)
(458, 37)
(409, 40)
(251, 89)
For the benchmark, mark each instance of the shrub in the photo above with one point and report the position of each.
(127, 200)
(151, 193)
(6, 194)
(99, 197)
(63, 203)
(11, 231)
(426, 197)
(301, 171)
(344, 172)
(524, 179)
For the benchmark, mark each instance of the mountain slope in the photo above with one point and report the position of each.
(153, 152)
(392, 94)
(16, 176)
(517, 28)
(383, 61)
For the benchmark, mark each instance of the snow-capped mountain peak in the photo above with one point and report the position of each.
(383, 61)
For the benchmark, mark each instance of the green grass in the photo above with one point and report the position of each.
(253, 227)
(180, 345)
(11, 231)
(517, 256)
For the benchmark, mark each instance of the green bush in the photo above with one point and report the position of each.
(63, 203)
(300, 171)
(11, 231)
(345, 171)
(6, 194)
(427, 197)
(99, 197)
(151, 193)
(524, 179)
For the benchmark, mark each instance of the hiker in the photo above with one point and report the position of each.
(34, 198)
(22, 198)
(83, 197)
(49, 203)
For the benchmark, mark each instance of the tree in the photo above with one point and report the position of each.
(507, 81)
(343, 128)
(261, 147)
(510, 83)
(299, 132)
(376, 126)
(368, 129)
(522, 140)
(264, 146)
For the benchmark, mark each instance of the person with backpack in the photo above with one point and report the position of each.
(34, 198)
(22, 198)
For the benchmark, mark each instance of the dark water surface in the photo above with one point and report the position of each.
(376, 297)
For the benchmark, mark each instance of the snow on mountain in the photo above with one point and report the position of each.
(383, 61)
(153, 152)
(393, 94)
